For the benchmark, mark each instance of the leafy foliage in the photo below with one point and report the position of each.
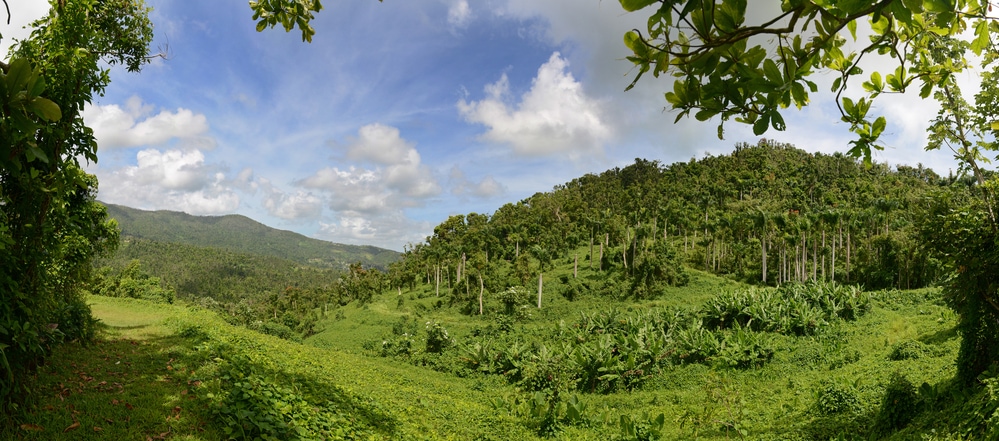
(720, 69)
(50, 226)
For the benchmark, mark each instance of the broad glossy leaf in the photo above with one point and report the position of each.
(18, 74)
(772, 72)
(937, 6)
(630, 5)
(879, 126)
(760, 126)
(45, 109)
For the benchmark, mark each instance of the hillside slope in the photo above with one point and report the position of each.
(242, 234)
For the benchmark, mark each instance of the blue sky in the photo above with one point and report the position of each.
(401, 113)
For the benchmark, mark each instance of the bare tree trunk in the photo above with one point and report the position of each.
(823, 256)
(832, 266)
(815, 260)
(437, 281)
(797, 263)
(575, 265)
(764, 248)
(482, 288)
(540, 284)
(600, 263)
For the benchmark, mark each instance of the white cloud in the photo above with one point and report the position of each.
(399, 178)
(171, 180)
(131, 126)
(458, 13)
(300, 205)
(366, 205)
(353, 189)
(382, 145)
(385, 231)
(554, 117)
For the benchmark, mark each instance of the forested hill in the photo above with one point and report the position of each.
(242, 234)
(767, 213)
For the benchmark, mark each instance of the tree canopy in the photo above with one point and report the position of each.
(728, 66)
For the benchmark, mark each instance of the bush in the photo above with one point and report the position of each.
(899, 406)
(907, 350)
(437, 338)
(836, 398)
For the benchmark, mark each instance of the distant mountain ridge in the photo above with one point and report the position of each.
(242, 234)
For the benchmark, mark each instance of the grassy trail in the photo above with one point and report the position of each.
(133, 383)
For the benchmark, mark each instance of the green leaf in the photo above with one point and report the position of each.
(261, 25)
(995, 125)
(772, 72)
(45, 109)
(760, 126)
(776, 121)
(634, 5)
(879, 126)
(18, 74)
(982, 37)
(937, 6)
(704, 114)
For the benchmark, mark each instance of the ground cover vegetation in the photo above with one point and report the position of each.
(657, 336)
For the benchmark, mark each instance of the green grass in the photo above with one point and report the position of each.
(132, 383)
(160, 370)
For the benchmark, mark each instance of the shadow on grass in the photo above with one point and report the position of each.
(116, 389)
(940, 337)
(106, 327)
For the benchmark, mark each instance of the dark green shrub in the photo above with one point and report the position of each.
(836, 398)
(907, 350)
(899, 406)
(279, 330)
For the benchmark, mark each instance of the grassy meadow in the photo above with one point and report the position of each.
(373, 372)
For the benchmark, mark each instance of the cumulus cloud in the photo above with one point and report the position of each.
(554, 117)
(352, 189)
(132, 126)
(170, 180)
(382, 145)
(367, 200)
(299, 205)
(398, 178)
(384, 231)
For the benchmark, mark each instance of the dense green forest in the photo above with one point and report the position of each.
(266, 293)
(766, 214)
(242, 234)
